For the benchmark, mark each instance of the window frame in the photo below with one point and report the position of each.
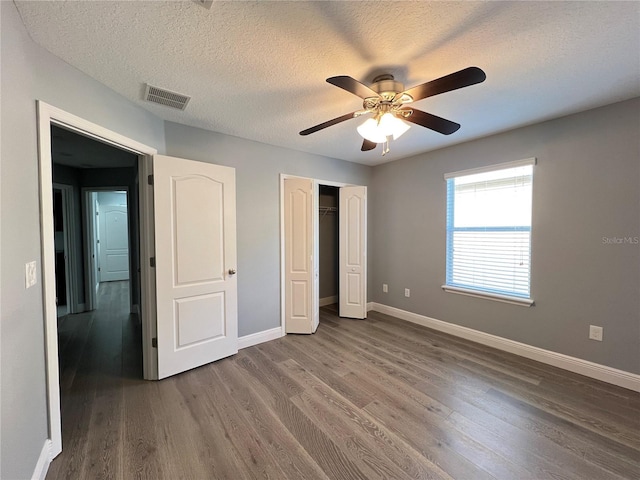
(450, 196)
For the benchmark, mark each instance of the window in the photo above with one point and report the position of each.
(489, 231)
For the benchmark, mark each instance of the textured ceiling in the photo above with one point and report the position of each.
(257, 70)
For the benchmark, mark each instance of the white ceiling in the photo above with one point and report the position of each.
(257, 70)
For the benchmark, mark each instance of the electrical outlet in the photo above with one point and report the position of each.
(595, 333)
(407, 292)
(385, 288)
(30, 278)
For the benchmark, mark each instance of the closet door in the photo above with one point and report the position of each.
(353, 252)
(299, 259)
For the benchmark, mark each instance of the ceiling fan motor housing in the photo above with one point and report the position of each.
(386, 86)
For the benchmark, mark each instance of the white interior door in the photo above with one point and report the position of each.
(196, 285)
(353, 252)
(300, 308)
(113, 233)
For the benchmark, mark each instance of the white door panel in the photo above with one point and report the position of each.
(194, 209)
(299, 243)
(353, 252)
(114, 243)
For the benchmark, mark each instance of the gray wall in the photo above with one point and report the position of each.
(30, 73)
(586, 186)
(258, 168)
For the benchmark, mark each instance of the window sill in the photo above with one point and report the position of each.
(523, 302)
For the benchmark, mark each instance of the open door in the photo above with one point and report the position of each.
(353, 252)
(196, 286)
(300, 309)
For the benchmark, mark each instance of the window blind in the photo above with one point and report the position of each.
(489, 230)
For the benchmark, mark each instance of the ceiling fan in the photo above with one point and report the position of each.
(388, 101)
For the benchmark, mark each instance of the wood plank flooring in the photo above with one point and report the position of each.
(379, 398)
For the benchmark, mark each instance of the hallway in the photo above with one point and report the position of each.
(99, 353)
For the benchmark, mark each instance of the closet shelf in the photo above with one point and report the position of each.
(326, 210)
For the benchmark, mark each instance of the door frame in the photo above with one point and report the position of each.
(68, 233)
(316, 241)
(88, 240)
(48, 115)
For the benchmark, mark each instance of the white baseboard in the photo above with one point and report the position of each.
(584, 367)
(81, 307)
(259, 337)
(328, 301)
(44, 460)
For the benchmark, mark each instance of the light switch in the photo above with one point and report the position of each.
(30, 274)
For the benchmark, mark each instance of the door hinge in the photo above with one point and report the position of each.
(154, 342)
(97, 241)
(98, 268)
(150, 179)
(152, 262)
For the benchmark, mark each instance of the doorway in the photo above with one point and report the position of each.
(328, 244)
(301, 216)
(111, 241)
(187, 216)
(49, 116)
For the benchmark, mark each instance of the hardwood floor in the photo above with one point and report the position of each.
(380, 398)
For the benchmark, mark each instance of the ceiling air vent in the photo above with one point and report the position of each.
(166, 97)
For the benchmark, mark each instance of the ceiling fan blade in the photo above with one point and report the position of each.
(432, 122)
(351, 85)
(368, 145)
(328, 123)
(453, 81)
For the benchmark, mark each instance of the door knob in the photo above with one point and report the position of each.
(232, 271)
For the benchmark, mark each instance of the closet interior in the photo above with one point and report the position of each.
(328, 245)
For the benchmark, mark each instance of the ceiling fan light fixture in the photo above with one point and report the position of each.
(388, 125)
(371, 131)
(392, 126)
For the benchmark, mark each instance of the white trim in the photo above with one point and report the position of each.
(523, 302)
(283, 325)
(44, 460)
(259, 337)
(491, 168)
(577, 365)
(328, 301)
(370, 306)
(46, 116)
(88, 242)
(147, 277)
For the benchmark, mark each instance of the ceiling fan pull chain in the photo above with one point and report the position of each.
(385, 147)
